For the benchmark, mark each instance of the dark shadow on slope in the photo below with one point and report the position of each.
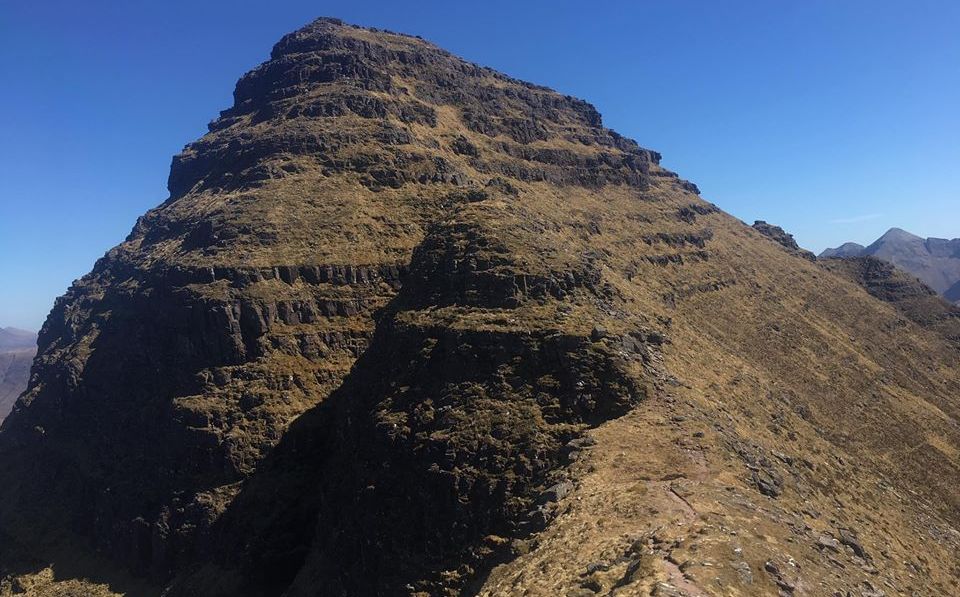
(106, 450)
(68, 562)
(416, 473)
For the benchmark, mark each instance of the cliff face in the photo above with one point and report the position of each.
(409, 326)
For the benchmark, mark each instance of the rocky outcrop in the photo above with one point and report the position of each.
(782, 238)
(462, 428)
(211, 374)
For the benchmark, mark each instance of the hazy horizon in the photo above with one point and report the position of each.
(836, 122)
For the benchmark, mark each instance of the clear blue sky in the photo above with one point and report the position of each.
(834, 119)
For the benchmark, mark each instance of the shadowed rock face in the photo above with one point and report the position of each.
(406, 325)
(443, 439)
(936, 261)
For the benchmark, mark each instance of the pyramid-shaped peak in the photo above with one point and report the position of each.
(407, 326)
(898, 234)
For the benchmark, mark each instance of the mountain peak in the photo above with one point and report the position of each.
(326, 33)
(899, 235)
(936, 261)
(409, 326)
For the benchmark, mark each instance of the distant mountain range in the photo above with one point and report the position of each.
(17, 348)
(936, 261)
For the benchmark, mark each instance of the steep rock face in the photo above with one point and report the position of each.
(449, 433)
(409, 326)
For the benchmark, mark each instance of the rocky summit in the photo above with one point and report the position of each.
(408, 326)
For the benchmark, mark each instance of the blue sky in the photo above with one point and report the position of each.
(836, 120)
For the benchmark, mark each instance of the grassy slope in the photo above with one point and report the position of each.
(790, 368)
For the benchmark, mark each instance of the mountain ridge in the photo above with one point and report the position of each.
(12, 338)
(409, 326)
(844, 250)
(936, 261)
